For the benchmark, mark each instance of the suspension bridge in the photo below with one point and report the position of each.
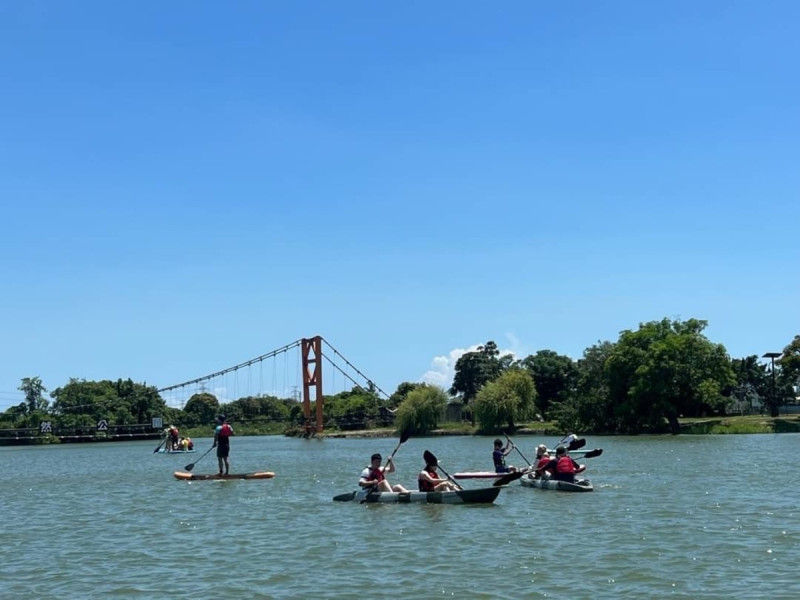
(312, 356)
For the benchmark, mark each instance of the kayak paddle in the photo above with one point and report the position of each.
(508, 478)
(518, 450)
(190, 466)
(159, 446)
(431, 460)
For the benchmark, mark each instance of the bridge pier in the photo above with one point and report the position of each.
(311, 351)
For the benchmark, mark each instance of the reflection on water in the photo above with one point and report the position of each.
(684, 517)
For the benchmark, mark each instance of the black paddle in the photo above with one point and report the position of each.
(518, 450)
(431, 460)
(190, 466)
(508, 478)
(159, 446)
(593, 453)
(406, 433)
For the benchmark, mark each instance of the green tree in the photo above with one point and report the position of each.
(201, 409)
(422, 409)
(554, 375)
(474, 369)
(401, 392)
(33, 389)
(664, 370)
(508, 399)
(789, 364)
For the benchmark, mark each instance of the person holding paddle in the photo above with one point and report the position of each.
(563, 467)
(374, 476)
(499, 456)
(428, 479)
(222, 442)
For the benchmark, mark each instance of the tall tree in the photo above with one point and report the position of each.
(474, 369)
(505, 401)
(789, 364)
(34, 391)
(664, 370)
(553, 374)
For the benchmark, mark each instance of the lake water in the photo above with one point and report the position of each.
(679, 517)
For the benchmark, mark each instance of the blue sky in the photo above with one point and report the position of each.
(187, 185)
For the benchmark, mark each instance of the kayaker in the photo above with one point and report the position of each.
(499, 456)
(542, 460)
(428, 480)
(374, 476)
(563, 467)
(222, 441)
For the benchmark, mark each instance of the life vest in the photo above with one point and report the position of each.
(542, 465)
(424, 484)
(499, 459)
(225, 431)
(566, 466)
(375, 475)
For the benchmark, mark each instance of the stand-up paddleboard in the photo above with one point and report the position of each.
(211, 476)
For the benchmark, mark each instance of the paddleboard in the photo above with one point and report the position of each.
(211, 476)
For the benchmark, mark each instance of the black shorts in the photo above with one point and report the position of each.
(223, 449)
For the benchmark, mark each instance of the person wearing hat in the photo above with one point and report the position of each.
(563, 467)
(374, 476)
(222, 442)
(428, 480)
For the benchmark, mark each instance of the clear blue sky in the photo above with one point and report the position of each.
(186, 185)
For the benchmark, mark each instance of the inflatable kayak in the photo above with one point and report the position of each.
(580, 485)
(192, 477)
(476, 496)
(478, 475)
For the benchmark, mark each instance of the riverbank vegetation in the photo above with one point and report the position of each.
(665, 376)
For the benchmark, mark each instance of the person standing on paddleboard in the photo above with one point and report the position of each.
(222, 442)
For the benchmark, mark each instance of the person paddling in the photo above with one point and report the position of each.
(222, 442)
(374, 476)
(428, 480)
(563, 467)
(542, 460)
(499, 456)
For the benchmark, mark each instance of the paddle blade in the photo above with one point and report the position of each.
(189, 467)
(506, 479)
(404, 435)
(345, 497)
(430, 459)
(593, 453)
(576, 444)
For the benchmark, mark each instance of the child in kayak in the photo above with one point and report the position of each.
(499, 457)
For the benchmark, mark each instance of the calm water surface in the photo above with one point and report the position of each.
(678, 517)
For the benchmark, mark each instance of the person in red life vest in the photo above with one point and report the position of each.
(542, 460)
(429, 480)
(173, 438)
(374, 476)
(564, 468)
(222, 442)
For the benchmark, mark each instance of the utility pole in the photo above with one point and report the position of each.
(773, 405)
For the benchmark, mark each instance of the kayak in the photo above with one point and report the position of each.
(164, 451)
(476, 496)
(192, 477)
(478, 475)
(580, 485)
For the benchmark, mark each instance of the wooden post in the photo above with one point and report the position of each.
(312, 376)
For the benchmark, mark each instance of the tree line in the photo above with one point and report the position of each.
(644, 382)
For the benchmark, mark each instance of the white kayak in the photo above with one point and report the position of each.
(580, 485)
